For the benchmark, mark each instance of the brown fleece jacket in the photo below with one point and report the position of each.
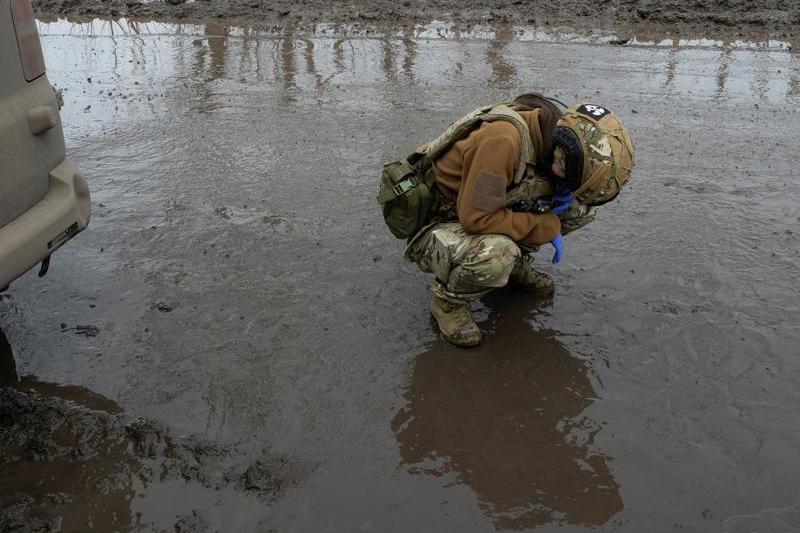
(475, 173)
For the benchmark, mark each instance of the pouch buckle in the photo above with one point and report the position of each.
(403, 187)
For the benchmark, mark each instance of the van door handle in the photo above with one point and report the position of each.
(41, 119)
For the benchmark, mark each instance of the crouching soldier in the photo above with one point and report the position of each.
(476, 202)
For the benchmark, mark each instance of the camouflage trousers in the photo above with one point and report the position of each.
(466, 266)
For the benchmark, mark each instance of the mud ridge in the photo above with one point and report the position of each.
(745, 15)
(85, 464)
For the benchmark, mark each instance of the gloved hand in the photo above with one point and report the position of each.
(558, 244)
(561, 201)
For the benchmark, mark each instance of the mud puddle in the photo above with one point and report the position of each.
(641, 35)
(70, 460)
(237, 285)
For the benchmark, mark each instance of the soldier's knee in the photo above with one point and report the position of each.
(493, 261)
(502, 262)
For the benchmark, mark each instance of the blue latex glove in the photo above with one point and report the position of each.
(561, 201)
(558, 244)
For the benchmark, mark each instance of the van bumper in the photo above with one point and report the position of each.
(42, 229)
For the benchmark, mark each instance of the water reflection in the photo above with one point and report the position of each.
(311, 66)
(507, 420)
(250, 57)
(762, 77)
(211, 52)
(338, 53)
(389, 59)
(214, 51)
(209, 62)
(288, 66)
(793, 89)
(503, 73)
(672, 62)
(410, 48)
(722, 74)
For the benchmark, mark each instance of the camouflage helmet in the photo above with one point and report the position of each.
(598, 152)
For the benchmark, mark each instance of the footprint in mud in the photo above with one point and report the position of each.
(164, 307)
(222, 212)
(664, 308)
(248, 215)
(86, 330)
(275, 221)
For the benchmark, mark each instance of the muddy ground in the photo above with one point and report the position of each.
(776, 17)
(70, 461)
(235, 343)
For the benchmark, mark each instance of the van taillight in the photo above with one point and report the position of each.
(30, 49)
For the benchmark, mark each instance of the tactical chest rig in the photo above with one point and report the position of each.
(407, 194)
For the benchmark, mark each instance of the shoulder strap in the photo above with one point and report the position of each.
(465, 125)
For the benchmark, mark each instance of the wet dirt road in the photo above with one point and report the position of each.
(241, 328)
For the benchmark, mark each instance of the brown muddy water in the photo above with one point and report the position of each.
(235, 343)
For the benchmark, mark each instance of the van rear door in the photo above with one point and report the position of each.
(31, 139)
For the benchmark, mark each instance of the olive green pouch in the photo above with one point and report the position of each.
(405, 197)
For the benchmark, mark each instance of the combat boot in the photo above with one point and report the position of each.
(533, 281)
(455, 322)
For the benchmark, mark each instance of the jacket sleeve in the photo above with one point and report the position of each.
(481, 204)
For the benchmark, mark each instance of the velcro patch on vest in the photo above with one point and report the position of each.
(489, 193)
(595, 112)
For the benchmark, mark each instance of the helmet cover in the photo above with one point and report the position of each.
(599, 152)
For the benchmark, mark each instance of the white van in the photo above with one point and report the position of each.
(44, 201)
